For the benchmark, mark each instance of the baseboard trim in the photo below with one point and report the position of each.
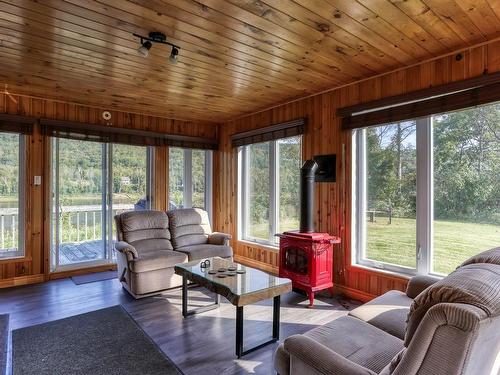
(22, 280)
(82, 271)
(353, 293)
(256, 264)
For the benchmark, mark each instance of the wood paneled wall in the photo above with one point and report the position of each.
(324, 136)
(34, 267)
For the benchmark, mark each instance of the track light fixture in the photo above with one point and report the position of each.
(143, 50)
(173, 55)
(156, 37)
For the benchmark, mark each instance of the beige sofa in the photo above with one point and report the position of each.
(151, 243)
(439, 327)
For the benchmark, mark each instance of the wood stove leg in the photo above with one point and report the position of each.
(311, 299)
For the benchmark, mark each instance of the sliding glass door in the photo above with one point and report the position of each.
(91, 182)
(131, 180)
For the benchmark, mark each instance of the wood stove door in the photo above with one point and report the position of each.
(295, 260)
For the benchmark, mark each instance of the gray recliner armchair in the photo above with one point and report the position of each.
(452, 328)
(145, 252)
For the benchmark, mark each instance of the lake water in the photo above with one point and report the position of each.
(91, 201)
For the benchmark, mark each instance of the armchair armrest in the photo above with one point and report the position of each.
(127, 249)
(217, 238)
(320, 358)
(418, 284)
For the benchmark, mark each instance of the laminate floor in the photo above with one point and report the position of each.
(202, 344)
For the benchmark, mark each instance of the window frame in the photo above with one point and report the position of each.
(424, 202)
(187, 179)
(274, 193)
(107, 202)
(22, 197)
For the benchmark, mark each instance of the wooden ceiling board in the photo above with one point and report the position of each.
(275, 43)
(418, 11)
(124, 41)
(481, 14)
(236, 57)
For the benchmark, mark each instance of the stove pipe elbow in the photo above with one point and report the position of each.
(307, 173)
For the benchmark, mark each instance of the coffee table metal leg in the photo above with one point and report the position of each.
(239, 329)
(184, 296)
(276, 317)
(185, 311)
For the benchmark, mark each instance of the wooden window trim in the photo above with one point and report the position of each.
(440, 99)
(104, 133)
(270, 133)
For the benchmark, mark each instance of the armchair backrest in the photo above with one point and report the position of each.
(454, 325)
(452, 339)
(145, 230)
(189, 226)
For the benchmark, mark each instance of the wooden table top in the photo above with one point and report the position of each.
(241, 289)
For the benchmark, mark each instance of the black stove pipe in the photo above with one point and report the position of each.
(307, 173)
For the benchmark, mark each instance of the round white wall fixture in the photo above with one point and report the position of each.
(106, 115)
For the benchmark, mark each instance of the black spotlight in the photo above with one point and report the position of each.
(156, 37)
(143, 50)
(173, 55)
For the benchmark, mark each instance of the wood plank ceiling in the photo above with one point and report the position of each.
(236, 57)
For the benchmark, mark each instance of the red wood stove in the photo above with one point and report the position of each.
(306, 257)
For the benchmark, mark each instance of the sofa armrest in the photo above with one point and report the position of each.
(320, 358)
(217, 238)
(418, 284)
(127, 249)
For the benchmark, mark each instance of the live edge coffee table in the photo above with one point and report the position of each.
(241, 285)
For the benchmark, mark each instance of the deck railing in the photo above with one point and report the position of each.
(84, 223)
(77, 223)
(8, 228)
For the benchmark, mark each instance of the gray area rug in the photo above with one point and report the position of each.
(102, 342)
(93, 277)
(4, 337)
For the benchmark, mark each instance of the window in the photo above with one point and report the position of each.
(12, 150)
(453, 162)
(91, 183)
(269, 188)
(190, 178)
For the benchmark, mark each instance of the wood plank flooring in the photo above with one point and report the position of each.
(203, 344)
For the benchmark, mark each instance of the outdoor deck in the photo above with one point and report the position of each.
(76, 252)
(71, 252)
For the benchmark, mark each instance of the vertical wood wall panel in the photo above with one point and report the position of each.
(35, 265)
(323, 136)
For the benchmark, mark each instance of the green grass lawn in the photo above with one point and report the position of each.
(395, 243)
(453, 242)
(261, 230)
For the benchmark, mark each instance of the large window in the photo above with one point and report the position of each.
(92, 182)
(427, 192)
(11, 195)
(190, 178)
(269, 189)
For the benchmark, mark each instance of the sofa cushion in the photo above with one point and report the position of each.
(417, 284)
(189, 226)
(154, 260)
(387, 312)
(353, 339)
(145, 230)
(281, 361)
(151, 244)
(475, 284)
(489, 256)
(196, 252)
